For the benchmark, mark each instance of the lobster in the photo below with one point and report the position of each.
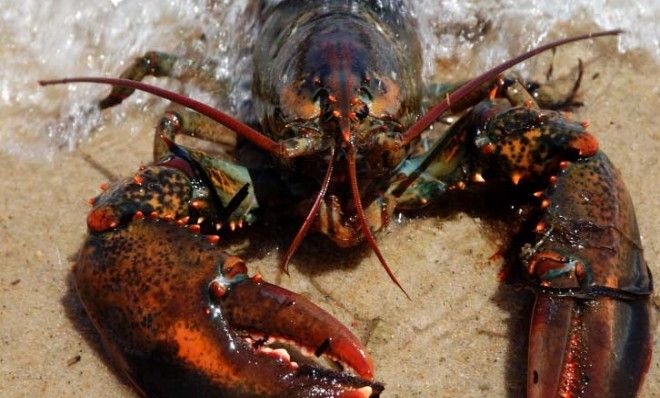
(336, 96)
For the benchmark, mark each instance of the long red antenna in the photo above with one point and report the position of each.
(239, 128)
(311, 215)
(434, 113)
(352, 172)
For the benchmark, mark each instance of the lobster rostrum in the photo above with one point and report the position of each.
(337, 97)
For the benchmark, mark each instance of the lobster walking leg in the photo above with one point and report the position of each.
(161, 64)
(152, 63)
(553, 94)
(179, 120)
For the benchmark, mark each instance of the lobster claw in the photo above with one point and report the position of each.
(591, 332)
(182, 318)
(588, 349)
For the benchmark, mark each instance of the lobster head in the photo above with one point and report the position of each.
(345, 86)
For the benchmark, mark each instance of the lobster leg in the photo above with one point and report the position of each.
(171, 308)
(189, 186)
(421, 179)
(152, 63)
(553, 94)
(160, 64)
(180, 120)
(590, 334)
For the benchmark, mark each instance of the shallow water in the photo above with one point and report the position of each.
(69, 38)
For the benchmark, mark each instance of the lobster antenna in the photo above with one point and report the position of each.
(363, 219)
(304, 228)
(239, 128)
(434, 113)
(347, 137)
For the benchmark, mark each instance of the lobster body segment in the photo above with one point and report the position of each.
(348, 56)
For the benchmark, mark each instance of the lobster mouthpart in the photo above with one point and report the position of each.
(178, 316)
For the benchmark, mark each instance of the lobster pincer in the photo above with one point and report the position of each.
(592, 306)
(590, 333)
(181, 317)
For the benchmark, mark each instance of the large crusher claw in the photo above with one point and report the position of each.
(180, 317)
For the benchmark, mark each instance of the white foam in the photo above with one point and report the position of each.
(71, 38)
(519, 25)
